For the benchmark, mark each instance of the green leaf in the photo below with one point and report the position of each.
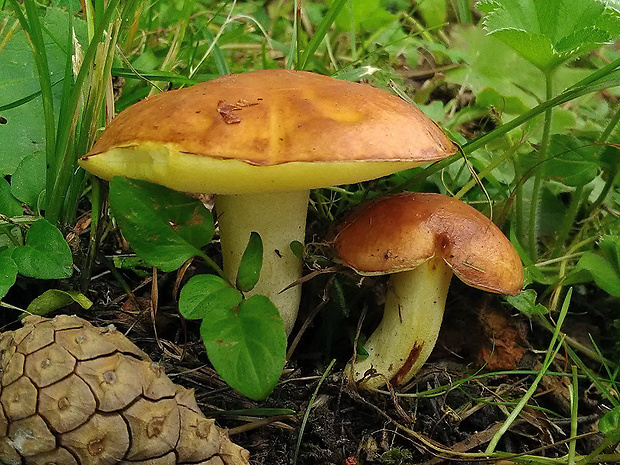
(8, 272)
(433, 12)
(298, 249)
(46, 254)
(206, 294)
(571, 161)
(28, 181)
(163, 226)
(605, 269)
(364, 14)
(250, 264)
(247, 346)
(609, 424)
(549, 32)
(24, 131)
(525, 302)
(9, 205)
(54, 299)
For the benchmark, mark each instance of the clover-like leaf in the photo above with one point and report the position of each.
(45, 255)
(163, 226)
(549, 32)
(247, 346)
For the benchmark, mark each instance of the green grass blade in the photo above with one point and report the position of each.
(292, 57)
(220, 61)
(551, 353)
(66, 161)
(321, 32)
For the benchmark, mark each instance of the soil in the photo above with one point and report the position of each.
(345, 426)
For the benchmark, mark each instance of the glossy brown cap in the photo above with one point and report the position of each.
(268, 118)
(282, 116)
(400, 232)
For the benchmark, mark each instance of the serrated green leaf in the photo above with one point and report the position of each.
(572, 161)
(250, 264)
(247, 346)
(8, 272)
(9, 205)
(205, 294)
(609, 425)
(549, 32)
(28, 181)
(164, 227)
(525, 302)
(54, 299)
(45, 255)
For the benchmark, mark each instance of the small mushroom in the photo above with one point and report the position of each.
(421, 240)
(260, 141)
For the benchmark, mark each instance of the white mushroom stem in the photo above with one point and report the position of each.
(279, 219)
(411, 321)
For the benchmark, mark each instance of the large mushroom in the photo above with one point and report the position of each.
(421, 240)
(260, 141)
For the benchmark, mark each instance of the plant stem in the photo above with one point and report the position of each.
(569, 220)
(573, 389)
(616, 166)
(62, 171)
(592, 83)
(551, 353)
(533, 224)
(487, 170)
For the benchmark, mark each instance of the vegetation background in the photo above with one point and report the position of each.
(529, 89)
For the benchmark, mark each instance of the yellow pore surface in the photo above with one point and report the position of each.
(266, 131)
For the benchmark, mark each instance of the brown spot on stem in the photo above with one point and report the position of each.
(414, 353)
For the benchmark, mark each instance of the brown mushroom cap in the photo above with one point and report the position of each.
(402, 231)
(266, 131)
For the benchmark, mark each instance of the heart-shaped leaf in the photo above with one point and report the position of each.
(163, 226)
(205, 294)
(46, 254)
(247, 346)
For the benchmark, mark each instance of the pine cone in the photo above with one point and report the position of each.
(75, 394)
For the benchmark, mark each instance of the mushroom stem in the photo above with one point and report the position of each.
(279, 219)
(411, 321)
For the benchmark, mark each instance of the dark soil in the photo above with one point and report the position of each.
(344, 426)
